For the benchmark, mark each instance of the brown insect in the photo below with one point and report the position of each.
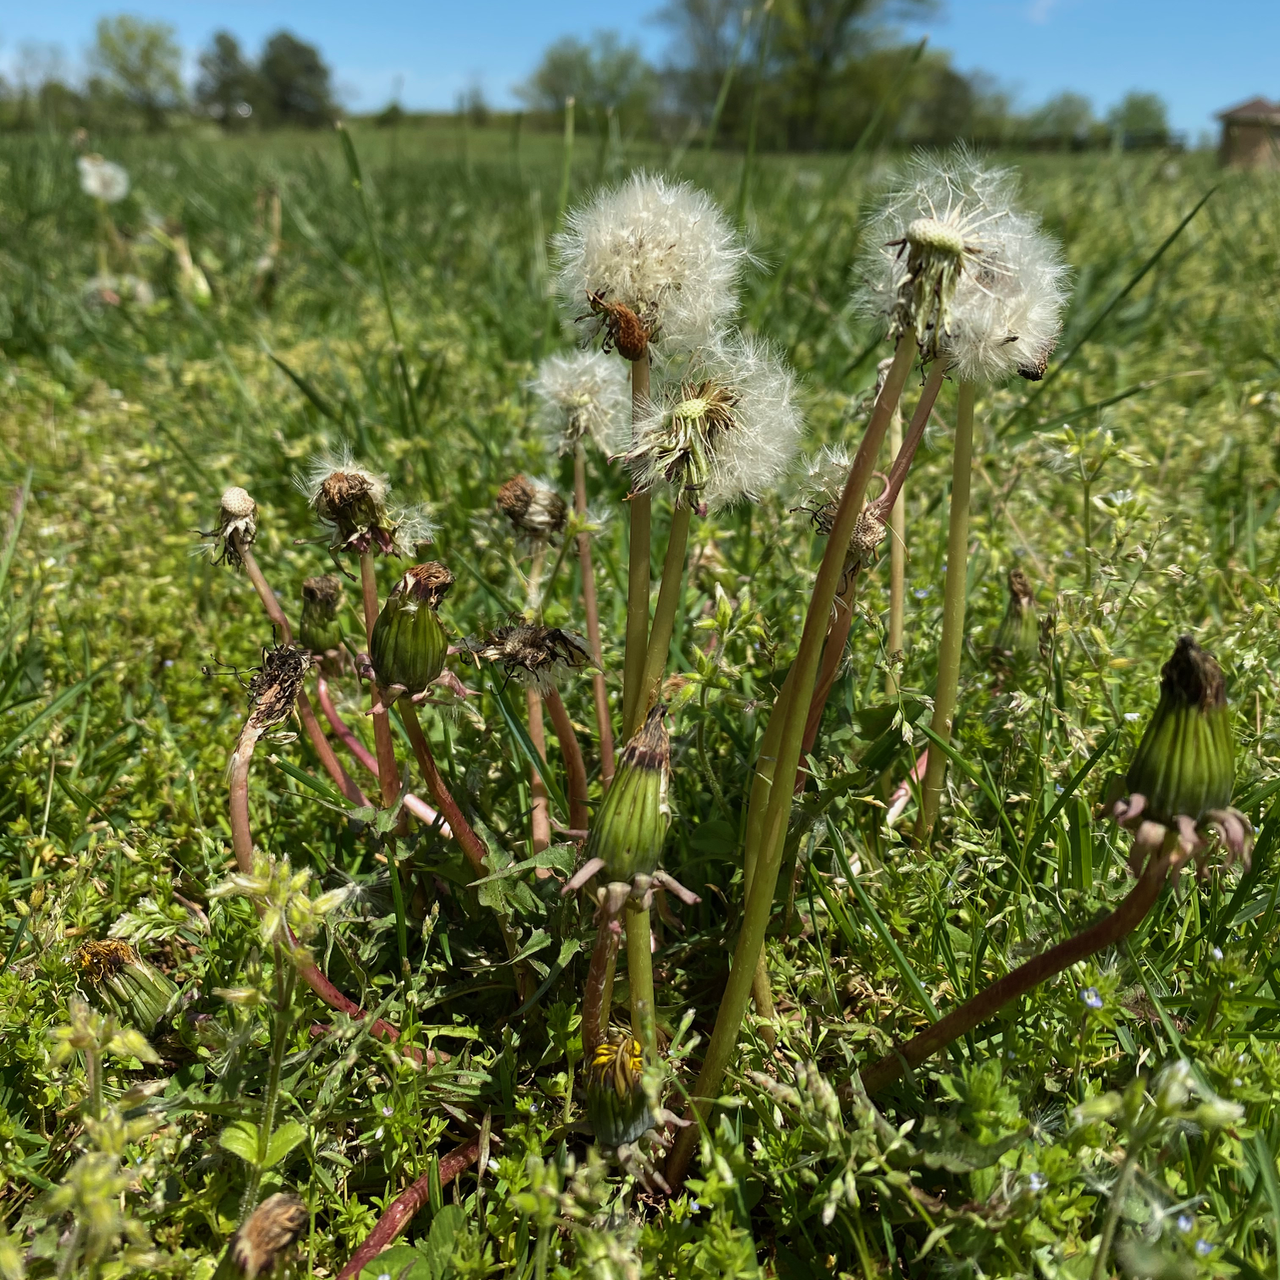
(623, 329)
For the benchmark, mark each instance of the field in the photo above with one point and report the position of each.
(1136, 486)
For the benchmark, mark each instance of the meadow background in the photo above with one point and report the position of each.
(1137, 486)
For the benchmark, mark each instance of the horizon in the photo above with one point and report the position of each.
(1031, 49)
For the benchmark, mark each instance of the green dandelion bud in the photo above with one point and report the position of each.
(320, 631)
(1019, 633)
(631, 828)
(1185, 763)
(409, 642)
(132, 988)
(616, 1103)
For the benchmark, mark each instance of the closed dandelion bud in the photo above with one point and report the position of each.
(409, 642)
(270, 1229)
(631, 828)
(616, 1103)
(1019, 633)
(320, 630)
(135, 990)
(534, 509)
(1185, 763)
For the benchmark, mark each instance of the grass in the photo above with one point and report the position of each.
(1137, 486)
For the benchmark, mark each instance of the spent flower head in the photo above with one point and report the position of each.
(131, 986)
(583, 396)
(237, 527)
(269, 1230)
(650, 261)
(102, 179)
(953, 261)
(724, 430)
(535, 655)
(535, 509)
(352, 503)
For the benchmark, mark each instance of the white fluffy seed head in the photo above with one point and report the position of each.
(102, 179)
(661, 249)
(824, 477)
(1001, 314)
(352, 503)
(584, 396)
(725, 426)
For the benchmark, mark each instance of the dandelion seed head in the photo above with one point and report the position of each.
(951, 256)
(724, 430)
(660, 249)
(534, 655)
(534, 508)
(583, 396)
(103, 179)
(352, 503)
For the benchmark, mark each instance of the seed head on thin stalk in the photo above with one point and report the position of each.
(237, 524)
(103, 179)
(725, 429)
(584, 397)
(954, 262)
(822, 485)
(649, 261)
(352, 503)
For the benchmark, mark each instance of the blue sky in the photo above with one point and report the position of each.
(1198, 56)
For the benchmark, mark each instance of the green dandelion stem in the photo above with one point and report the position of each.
(664, 616)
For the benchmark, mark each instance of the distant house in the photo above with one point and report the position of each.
(1251, 135)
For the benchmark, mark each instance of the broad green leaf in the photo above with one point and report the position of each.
(241, 1139)
(285, 1138)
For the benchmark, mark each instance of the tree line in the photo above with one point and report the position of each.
(134, 80)
(784, 74)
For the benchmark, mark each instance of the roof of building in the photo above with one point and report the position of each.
(1261, 109)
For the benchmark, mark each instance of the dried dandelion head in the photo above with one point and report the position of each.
(535, 509)
(132, 987)
(275, 686)
(724, 431)
(973, 278)
(237, 527)
(352, 503)
(276, 1224)
(650, 259)
(822, 486)
(583, 396)
(535, 655)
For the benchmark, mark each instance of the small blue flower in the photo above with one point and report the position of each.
(694, 1206)
(1090, 998)
(1186, 1223)
(533, 1108)
(388, 1111)
(1216, 953)
(1204, 1248)
(921, 593)
(1038, 1181)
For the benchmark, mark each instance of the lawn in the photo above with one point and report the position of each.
(262, 309)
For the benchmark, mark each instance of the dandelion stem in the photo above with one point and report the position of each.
(286, 979)
(986, 1004)
(640, 978)
(540, 818)
(574, 766)
(591, 607)
(950, 648)
(773, 821)
(664, 617)
(637, 565)
(388, 770)
(332, 765)
(1118, 1193)
(405, 1206)
(595, 1012)
(897, 564)
(472, 846)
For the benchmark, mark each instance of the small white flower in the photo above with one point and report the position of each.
(103, 179)
(660, 250)
(583, 396)
(726, 429)
(980, 282)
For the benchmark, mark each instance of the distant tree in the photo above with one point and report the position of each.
(1065, 118)
(1140, 115)
(140, 62)
(296, 83)
(228, 87)
(602, 75)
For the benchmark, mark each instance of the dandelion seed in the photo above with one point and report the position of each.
(975, 279)
(726, 429)
(650, 261)
(584, 396)
(103, 179)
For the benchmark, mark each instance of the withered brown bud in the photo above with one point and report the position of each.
(270, 1229)
(534, 509)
